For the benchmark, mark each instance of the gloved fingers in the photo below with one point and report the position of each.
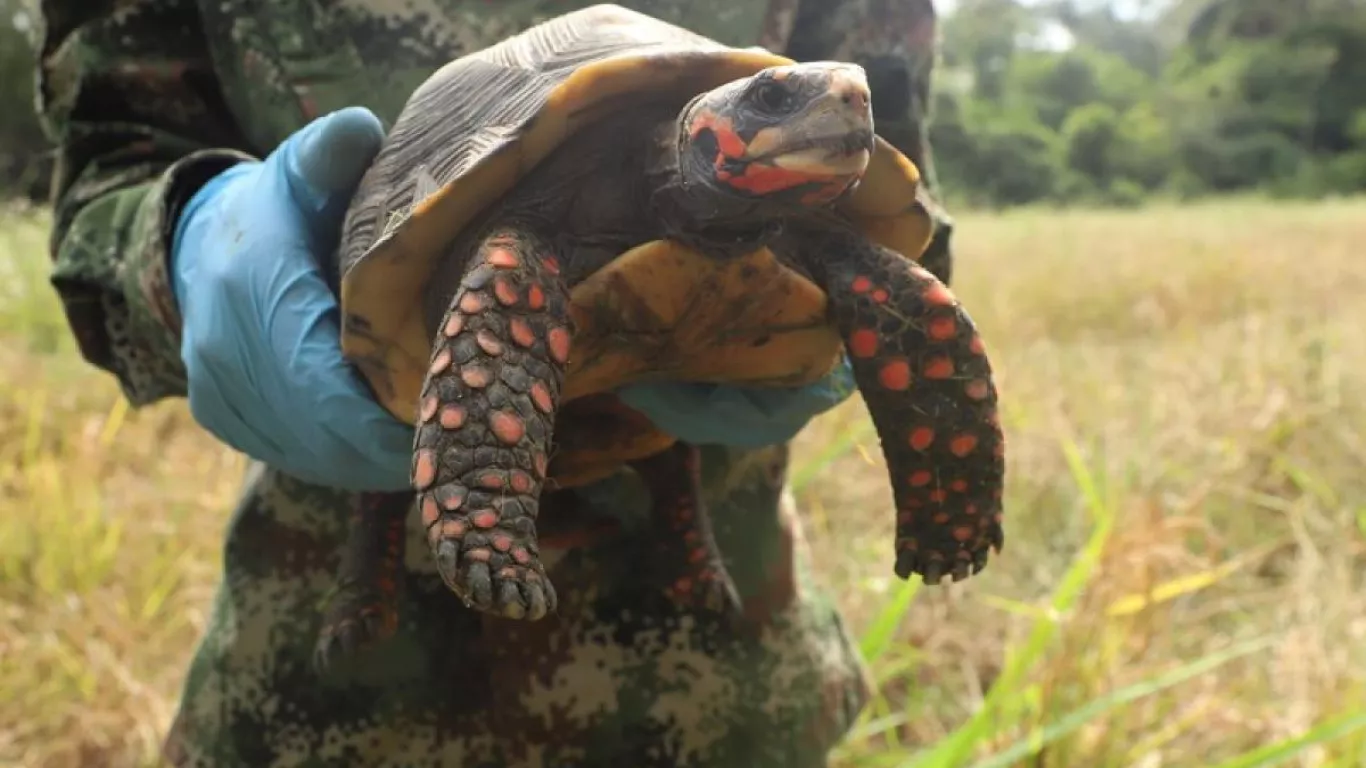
(739, 416)
(352, 439)
(322, 164)
(324, 428)
(215, 394)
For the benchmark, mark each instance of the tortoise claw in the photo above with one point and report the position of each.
(488, 583)
(354, 624)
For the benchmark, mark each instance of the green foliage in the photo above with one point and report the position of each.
(25, 161)
(1212, 96)
(1251, 96)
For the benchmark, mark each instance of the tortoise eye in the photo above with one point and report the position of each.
(772, 97)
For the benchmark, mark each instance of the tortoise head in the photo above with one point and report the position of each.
(799, 135)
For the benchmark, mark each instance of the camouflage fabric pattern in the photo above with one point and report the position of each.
(150, 98)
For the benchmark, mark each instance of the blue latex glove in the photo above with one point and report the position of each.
(748, 417)
(262, 346)
(261, 342)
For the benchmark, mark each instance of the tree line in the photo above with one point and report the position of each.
(1056, 102)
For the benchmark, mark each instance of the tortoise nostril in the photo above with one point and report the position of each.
(855, 98)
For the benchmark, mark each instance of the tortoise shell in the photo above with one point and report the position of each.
(479, 124)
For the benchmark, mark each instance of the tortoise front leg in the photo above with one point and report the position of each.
(364, 608)
(923, 372)
(687, 563)
(485, 419)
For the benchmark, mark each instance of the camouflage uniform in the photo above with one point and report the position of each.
(148, 98)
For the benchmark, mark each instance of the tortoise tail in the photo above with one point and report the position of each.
(485, 422)
(923, 372)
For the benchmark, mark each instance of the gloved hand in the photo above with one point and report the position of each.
(261, 341)
(748, 417)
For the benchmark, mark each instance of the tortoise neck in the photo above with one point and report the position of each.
(694, 212)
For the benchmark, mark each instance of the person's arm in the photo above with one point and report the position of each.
(129, 95)
(895, 41)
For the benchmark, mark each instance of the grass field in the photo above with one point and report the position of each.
(1184, 579)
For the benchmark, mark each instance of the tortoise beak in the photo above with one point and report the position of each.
(833, 135)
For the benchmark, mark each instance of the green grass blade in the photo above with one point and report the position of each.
(878, 637)
(1274, 754)
(804, 474)
(1081, 716)
(953, 751)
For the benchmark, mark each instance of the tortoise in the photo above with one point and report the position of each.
(606, 198)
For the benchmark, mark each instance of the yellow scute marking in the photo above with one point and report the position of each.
(665, 310)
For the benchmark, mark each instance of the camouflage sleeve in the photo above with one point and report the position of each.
(129, 96)
(895, 41)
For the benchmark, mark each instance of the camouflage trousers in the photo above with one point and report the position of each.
(618, 677)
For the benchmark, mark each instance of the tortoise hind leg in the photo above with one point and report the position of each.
(485, 420)
(364, 608)
(688, 563)
(925, 378)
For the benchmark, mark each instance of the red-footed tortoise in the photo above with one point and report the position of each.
(607, 198)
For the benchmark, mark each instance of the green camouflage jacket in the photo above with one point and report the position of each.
(149, 98)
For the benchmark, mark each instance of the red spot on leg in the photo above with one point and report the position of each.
(520, 482)
(476, 377)
(962, 445)
(938, 295)
(535, 297)
(863, 343)
(430, 512)
(921, 478)
(441, 362)
(861, 284)
(922, 438)
(895, 375)
(501, 542)
(540, 396)
(489, 343)
(471, 303)
(558, 342)
(452, 417)
(880, 296)
(506, 427)
(938, 367)
(507, 295)
(552, 265)
(963, 533)
(451, 497)
(959, 486)
(493, 481)
(503, 258)
(484, 519)
(976, 346)
(521, 556)
(521, 332)
(429, 406)
(424, 470)
(978, 389)
(453, 325)
(942, 328)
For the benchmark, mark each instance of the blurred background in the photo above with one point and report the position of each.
(1161, 230)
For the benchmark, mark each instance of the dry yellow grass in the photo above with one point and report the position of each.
(1185, 433)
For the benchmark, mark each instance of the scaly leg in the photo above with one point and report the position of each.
(485, 420)
(923, 372)
(364, 609)
(688, 562)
